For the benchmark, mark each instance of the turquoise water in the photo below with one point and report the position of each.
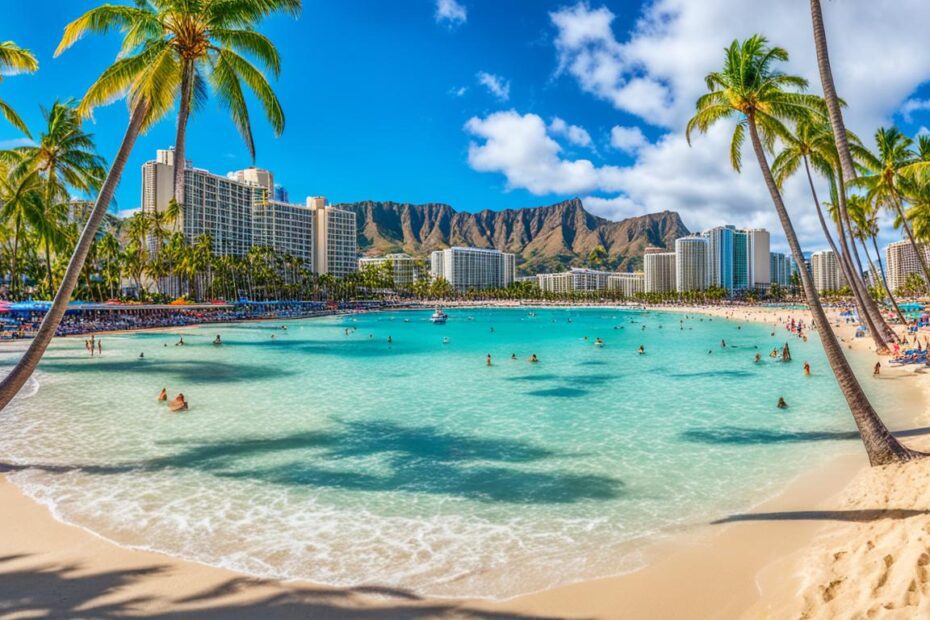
(343, 459)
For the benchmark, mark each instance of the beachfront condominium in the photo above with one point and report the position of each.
(691, 263)
(720, 256)
(473, 268)
(780, 269)
(239, 211)
(628, 284)
(576, 279)
(659, 270)
(902, 261)
(403, 267)
(759, 242)
(335, 243)
(825, 270)
(740, 260)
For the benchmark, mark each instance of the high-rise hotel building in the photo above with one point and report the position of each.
(759, 243)
(473, 268)
(826, 273)
(404, 267)
(902, 261)
(691, 263)
(781, 267)
(659, 270)
(720, 256)
(238, 211)
(628, 284)
(576, 279)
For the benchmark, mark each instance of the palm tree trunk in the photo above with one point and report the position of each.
(17, 231)
(879, 342)
(829, 92)
(48, 265)
(894, 302)
(180, 142)
(24, 368)
(873, 315)
(880, 445)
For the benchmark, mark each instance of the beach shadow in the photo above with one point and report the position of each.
(42, 590)
(559, 392)
(193, 372)
(533, 378)
(852, 516)
(421, 459)
(741, 436)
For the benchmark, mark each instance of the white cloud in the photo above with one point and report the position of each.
(627, 139)
(16, 143)
(450, 12)
(652, 66)
(496, 85)
(458, 92)
(913, 105)
(576, 135)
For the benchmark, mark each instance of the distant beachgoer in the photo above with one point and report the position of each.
(489, 359)
(533, 358)
(142, 356)
(785, 353)
(513, 356)
(877, 370)
(758, 357)
(723, 344)
(390, 340)
(642, 349)
(781, 403)
(774, 354)
(272, 336)
(217, 340)
(163, 395)
(807, 369)
(100, 347)
(178, 404)
(165, 344)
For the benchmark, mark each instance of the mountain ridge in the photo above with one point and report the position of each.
(544, 238)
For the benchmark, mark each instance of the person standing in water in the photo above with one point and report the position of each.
(877, 370)
(489, 359)
(807, 369)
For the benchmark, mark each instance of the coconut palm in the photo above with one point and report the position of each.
(812, 145)
(761, 99)
(888, 182)
(141, 76)
(66, 159)
(208, 42)
(14, 59)
(20, 205)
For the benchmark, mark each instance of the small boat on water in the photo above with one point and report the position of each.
(439, 317)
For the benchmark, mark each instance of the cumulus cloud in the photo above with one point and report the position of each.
(652, 65)
(627, 139)
(496, 85)
(458, 91)
(576, 135)
(450, 12)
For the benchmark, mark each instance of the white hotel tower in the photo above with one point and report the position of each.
(691, 262)
(473, 268)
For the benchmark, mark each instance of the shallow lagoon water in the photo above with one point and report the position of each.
(346, 460)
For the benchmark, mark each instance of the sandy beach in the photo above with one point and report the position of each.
(842, 540)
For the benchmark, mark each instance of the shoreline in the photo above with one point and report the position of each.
(721, 569)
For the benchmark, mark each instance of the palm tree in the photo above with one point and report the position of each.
(762, 99)
(66, 159)
(887, 182)
(14, 59)
(142, 76)
(207, 43)
(21, 205)
(812, 144)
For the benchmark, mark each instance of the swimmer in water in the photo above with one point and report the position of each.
(533, 358)
(489, 359)
(807, 369)
(513, 356)
(781, 403)
(163, 395)
(723, 344)
(390, 340)
(642, 349)
(178, 404)
(142, 356)
(217, 340)
(758, 357)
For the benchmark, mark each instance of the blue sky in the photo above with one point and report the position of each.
(386, 100)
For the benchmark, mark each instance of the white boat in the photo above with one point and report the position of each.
(439, 317)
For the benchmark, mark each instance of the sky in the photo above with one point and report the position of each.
(497, 104)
